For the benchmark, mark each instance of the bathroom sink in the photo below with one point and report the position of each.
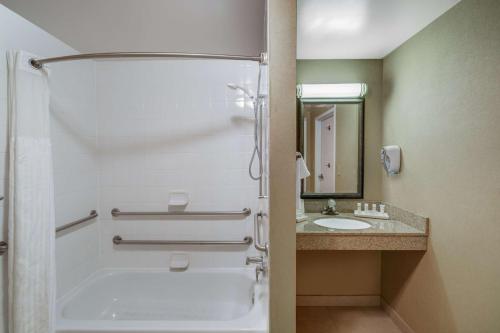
(342, 223)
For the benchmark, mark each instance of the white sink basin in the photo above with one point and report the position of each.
(342, 223)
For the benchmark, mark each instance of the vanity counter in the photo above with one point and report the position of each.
(382, 235)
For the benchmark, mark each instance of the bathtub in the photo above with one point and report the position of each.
(142, 301)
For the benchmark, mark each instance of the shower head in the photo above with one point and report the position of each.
(244, 90)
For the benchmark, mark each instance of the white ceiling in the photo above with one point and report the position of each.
(210, 26)
(361, 29)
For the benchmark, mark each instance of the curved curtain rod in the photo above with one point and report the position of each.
(38, 63)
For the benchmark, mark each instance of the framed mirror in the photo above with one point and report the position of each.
(331, 141)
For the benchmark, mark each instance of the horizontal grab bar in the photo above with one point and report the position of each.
(118, 240)
(245, 212)
(92, 215)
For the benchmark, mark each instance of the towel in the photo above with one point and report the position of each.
(301, 172)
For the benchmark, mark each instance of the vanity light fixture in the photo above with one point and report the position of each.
(344, 90)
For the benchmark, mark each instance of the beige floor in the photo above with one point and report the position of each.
(344, 320)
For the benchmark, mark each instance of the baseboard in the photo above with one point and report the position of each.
(396, 318)
(355, 300)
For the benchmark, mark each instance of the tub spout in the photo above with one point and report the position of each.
(261, 267)
(255, 260)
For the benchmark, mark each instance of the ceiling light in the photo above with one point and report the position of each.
(347, 90)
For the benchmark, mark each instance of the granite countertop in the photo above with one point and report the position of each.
(405, 231)
(378, 227)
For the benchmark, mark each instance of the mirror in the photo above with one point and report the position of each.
(331, 141)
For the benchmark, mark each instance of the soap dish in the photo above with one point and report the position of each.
(178, 198)
(179, 261)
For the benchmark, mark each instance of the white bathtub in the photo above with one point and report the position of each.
(143, 301)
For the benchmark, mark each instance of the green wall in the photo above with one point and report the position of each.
(442, 106)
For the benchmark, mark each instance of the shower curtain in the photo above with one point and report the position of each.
(31, 200)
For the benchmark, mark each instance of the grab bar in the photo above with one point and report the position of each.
(256, 230)
(245, 212)
(92, 215)
(4, 246)
(119, 240)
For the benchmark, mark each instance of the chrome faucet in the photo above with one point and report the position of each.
(331, 209)
(261, 267)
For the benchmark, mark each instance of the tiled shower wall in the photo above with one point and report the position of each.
(73, 130)
(125, 134)
(174, 125)
(74, 138)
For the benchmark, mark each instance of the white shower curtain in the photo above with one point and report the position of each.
(31, 200)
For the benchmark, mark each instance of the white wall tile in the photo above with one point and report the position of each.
(174, 125)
